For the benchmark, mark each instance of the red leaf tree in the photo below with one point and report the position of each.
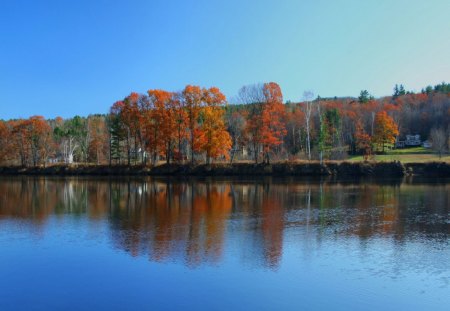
(272, 119)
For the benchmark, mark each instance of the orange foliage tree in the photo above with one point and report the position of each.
(213, 137)
(163, 125)
(131, 119)
(273, 127)
(98, 137)
(265, 124)
(386, 130)
(5, 141)
(155, 122)
(19, 139)
(32, 140)
(181, 119)
(40, 139)
(363, 141)
(193, 101)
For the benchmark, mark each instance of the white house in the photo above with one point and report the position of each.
(413, 140)
(410, 141)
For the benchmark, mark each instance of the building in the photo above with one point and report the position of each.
(427, 144)
(410, 141)
(413, 140)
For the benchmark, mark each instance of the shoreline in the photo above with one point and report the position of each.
(312, 169)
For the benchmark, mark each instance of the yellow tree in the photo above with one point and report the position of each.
(213, 138)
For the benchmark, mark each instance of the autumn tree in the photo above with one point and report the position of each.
(194, 122)
(213, 138)
(192, 97)
(273, 113)
(130, 117)
(98, 138)
(181, 124)
(32, 140)
(265, 119)
(40, 139)
(19, 139)
(386, 130)
(363, 141)
(5, 142)
(162, 126)
(171, 130)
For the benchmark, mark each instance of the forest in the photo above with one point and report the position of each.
(199, 125)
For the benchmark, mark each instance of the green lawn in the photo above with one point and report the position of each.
(406, 155)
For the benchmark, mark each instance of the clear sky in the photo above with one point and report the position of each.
(62, 58)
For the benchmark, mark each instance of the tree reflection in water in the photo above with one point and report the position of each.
(191, 220)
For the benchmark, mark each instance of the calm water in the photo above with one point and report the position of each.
(267, 244)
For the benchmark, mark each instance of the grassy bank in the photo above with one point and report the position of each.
(407, 155)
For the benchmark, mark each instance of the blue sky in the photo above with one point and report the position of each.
(63, 58)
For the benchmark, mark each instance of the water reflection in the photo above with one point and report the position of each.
(191, 221)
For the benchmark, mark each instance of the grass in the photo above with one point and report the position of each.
(406, 155)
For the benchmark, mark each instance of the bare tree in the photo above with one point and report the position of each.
(253, 95)
(321, 142)
(438, 139)
(236, 128)
(308, 97)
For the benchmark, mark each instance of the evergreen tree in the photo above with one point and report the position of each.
(364, 97)
(442, 88)
(396, 91)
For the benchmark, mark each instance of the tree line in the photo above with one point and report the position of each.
(197, 124)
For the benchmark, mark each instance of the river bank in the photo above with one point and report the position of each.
(339, 169)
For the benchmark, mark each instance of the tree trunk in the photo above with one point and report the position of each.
(168, 153)
(192, 147)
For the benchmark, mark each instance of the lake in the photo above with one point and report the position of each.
(223, 244)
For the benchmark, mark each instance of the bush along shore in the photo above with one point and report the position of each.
(339, 169)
